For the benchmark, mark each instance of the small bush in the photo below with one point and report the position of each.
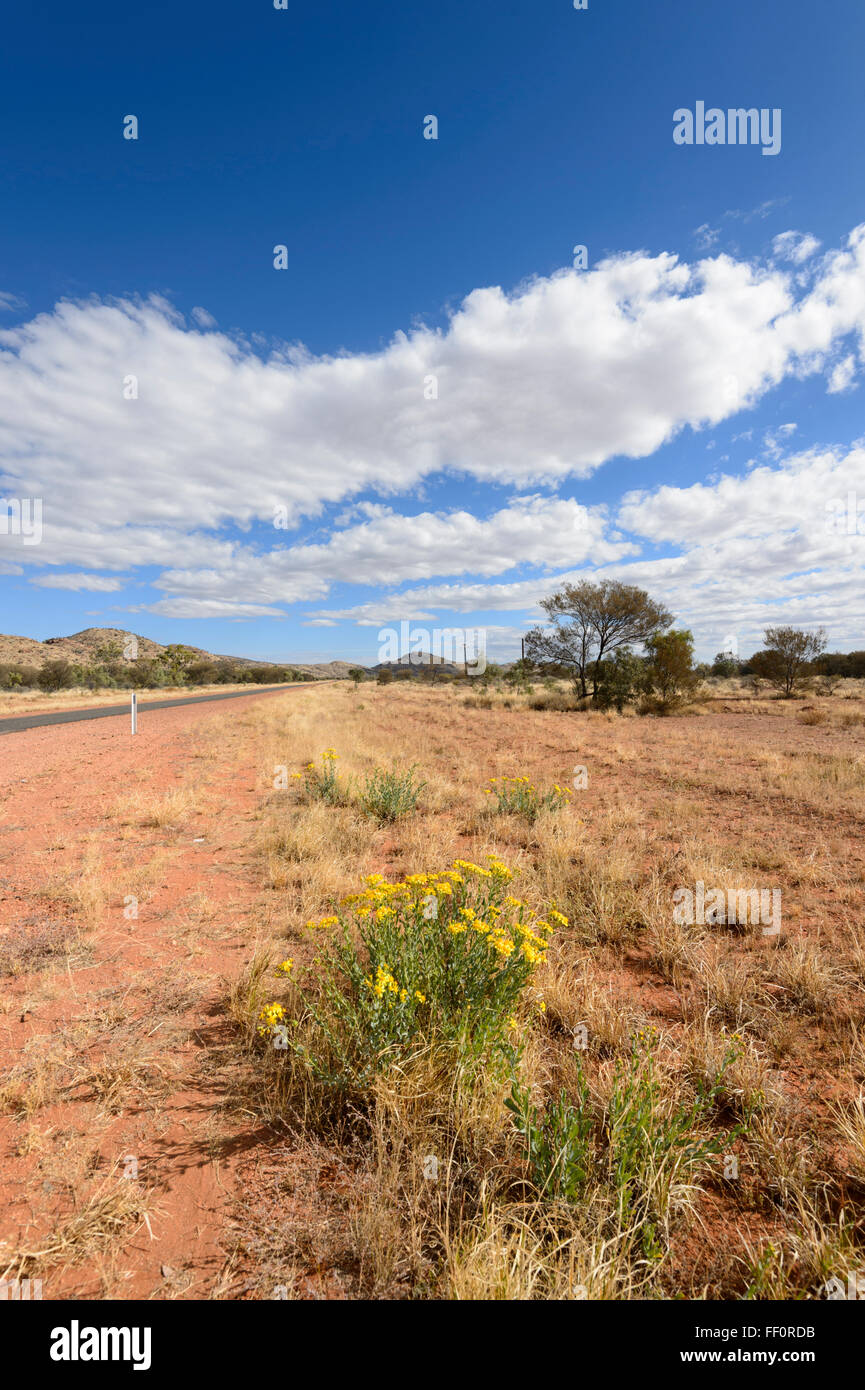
(518, 796)
(24, 948)
(812, 715)
(322, 783)
(644, 1149)
(56, 675)
(560, 700)
(389, 795)
(653, 1148)
(558, 1141)
(622, 680)
(670, 678)
(438, 958)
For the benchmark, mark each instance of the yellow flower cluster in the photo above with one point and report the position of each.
(323, 923)
(465, 898)
(387, 987)
(327, 773)
(646, 1037)
(509, 925)
(517, 792)
(496, 870)
(270, 1016)
(384, 980)
(379, 897)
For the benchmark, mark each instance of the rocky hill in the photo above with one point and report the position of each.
(420, 664)
(82, 648)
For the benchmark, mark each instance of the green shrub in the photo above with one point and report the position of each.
(622, 680)
(389, 795)
(56, 675)
(653, 1147)
(95, 678)
(322, 783)
(558, 1141)
(518, 796)
(644, 1149)
(670, 677)
(438, 958)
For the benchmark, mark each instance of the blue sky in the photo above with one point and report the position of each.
(678, 413)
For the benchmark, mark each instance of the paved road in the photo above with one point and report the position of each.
(71, 716)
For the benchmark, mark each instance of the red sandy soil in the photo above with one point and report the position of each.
(56, 786)
(160, 982)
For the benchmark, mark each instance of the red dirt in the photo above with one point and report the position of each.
(115, 995)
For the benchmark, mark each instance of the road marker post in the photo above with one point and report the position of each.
(134, 712)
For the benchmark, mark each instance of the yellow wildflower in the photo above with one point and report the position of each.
(270, 1016)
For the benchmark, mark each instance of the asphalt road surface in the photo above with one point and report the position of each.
(71, 716)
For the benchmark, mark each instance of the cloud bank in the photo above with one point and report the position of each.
(152, 440)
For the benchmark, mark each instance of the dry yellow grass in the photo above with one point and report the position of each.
(610, 863)
(110, 1208)
(746, 807)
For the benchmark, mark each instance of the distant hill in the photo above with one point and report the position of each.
(421, 663)
(82, 647)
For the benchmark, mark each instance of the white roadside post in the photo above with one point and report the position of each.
(134, 712)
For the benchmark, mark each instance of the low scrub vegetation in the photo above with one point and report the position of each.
(389, 794)
(520, 797)
(109, 670)
(541, 1084)
(321, 780)
(438, 960)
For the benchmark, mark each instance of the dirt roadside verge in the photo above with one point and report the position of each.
(125, 903)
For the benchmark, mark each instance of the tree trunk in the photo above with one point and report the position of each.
(595, 675)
